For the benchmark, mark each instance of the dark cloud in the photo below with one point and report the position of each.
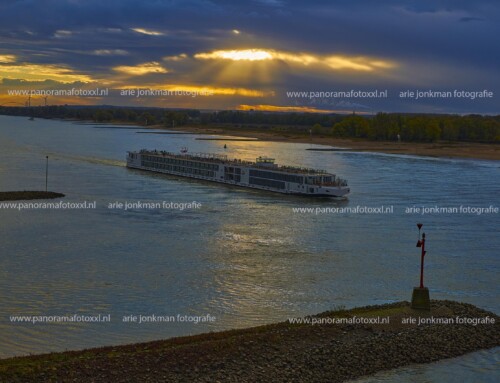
(438, 43)
(469, 18)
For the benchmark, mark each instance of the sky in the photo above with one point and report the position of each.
(222, 54)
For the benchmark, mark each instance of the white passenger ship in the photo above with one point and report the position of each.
(262, 174)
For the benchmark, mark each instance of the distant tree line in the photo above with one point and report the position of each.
(382, 126)
(270, 119)
(142, 116)
(420, 128)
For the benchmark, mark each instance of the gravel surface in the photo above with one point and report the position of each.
(281, 352)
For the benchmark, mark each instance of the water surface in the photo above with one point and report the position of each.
(244, 257)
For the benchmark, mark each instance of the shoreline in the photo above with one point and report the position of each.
(441, 149)
(27, 195)
(280, 352)
(437, 149)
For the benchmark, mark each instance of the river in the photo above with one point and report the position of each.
(243, 257)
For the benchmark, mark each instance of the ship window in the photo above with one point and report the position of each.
(276, 176)
(268, 183)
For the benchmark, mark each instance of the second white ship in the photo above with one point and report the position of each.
(262, 174)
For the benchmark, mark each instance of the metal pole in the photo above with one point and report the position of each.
(46, 172)
(422, 262)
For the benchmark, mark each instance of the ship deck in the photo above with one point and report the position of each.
(223, 160)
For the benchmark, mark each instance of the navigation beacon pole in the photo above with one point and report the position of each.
(46, 172)
(421, 243)
(420, 298)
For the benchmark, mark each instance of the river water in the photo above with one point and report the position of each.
(243, 257)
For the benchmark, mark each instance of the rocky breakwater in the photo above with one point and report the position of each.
(334, 346)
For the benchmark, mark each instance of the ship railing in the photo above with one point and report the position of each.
(208, 156)
(240, 162)
(297, 169)
(202, 156)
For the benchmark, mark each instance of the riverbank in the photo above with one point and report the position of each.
(28, 195)
(454, 149)
(335, 349)
(438, 149)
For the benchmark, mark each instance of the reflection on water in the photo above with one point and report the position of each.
(477, 367)
(245, 257)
